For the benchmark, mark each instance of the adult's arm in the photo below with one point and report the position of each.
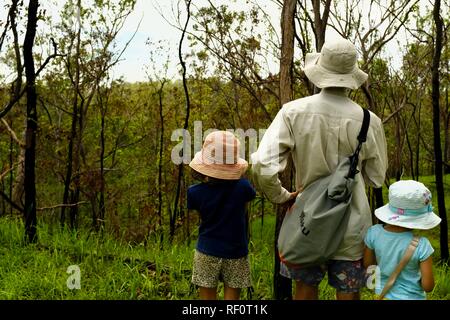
(271, 159)
(375, 165)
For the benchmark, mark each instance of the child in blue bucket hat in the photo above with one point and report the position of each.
(409, 208)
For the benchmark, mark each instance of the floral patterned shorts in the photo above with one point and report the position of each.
(209, 270)
(344, 276)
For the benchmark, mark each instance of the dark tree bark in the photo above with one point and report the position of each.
(73, 131)
(11, 175)
(100, 222)
(177, 206)
(447, 133)
(320, 22)
(17, 86)
(282, 285)
(160, 160)
(30, 152)
(435, 94)
(320, 25)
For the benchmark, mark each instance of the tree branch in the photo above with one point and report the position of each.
(12, 134)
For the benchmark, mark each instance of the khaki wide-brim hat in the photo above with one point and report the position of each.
(219, 157)
(335, 66)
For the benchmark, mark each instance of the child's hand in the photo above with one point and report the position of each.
(294, 195)
(290, 202)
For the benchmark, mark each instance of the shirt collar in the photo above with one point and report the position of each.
(342, 92)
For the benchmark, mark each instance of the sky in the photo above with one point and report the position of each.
(151, 26)
(156, 28)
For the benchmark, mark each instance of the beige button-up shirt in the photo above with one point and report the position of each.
(319, 131)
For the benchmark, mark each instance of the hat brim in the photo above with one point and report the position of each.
(323, 78)
(219, 171)
(423, 222)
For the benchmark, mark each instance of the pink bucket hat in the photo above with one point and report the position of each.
(219, 157)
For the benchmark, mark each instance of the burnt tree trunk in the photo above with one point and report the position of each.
(447, 134)
(160, 160)
(375, 194)
(100, 223)
(177, 210)
(73, 131)
(320, 22)
(435, 94)
(282, 285)
(320, 25)
(30, 151)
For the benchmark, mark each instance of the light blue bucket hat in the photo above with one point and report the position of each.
(409, 206)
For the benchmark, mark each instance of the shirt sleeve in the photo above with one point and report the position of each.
(424, 249)
(369, 238)
(271, 158)
(375, 164)
(191, 200)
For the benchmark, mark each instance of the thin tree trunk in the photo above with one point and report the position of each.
(282, 285)
(160, 160)
(75, 195)
(69, 168)
(186, 124)
(11, 174)
(17, 85)
(30, 152)
(418, 126)
(375, 194)
(320, 22)
(398, 149)
(320, 25)
(102, 210)
(435, 94)
(17, 185)
(73, 132)
(447, 135)
(19, 181)
(3, 204)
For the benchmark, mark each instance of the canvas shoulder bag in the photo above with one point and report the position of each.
(314, 227)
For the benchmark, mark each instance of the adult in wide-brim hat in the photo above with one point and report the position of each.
(335, 65)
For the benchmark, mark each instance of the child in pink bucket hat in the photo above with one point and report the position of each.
(409, 208)
(221, 198)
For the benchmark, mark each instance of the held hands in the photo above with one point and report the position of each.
(294, 195)
(290, 202)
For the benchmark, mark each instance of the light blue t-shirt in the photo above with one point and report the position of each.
(389, 248)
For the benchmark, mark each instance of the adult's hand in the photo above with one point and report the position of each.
(290, 202)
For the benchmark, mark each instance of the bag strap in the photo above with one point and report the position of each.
(362, 137)
(408, 254)
(364, 127)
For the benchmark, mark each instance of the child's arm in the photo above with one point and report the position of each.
(426, 270)
(369, 257)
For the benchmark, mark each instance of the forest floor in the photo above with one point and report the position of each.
(113, 269)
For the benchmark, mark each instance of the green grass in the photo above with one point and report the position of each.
(114, 269)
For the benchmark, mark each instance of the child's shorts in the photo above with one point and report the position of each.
(344, 276)
(209, 270)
